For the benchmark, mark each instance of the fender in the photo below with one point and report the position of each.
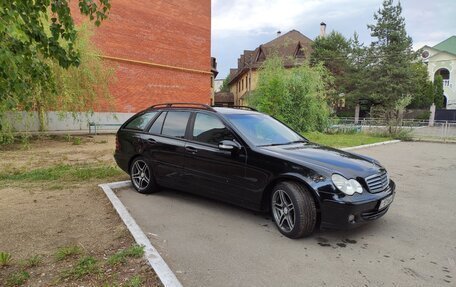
(310, 184)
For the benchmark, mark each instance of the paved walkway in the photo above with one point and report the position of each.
(208, 243)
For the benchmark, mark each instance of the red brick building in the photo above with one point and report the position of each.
(160, 51)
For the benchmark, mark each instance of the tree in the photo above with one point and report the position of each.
(225, 85)
(390, 71)
(34, 35)
(423, 94)
(357, 83)
(333, 50)
(77, 89)
(33, 32)
(438, 92)
(296, 96)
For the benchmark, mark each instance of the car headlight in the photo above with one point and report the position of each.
(347, 186)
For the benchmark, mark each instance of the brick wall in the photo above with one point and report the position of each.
(173, 32)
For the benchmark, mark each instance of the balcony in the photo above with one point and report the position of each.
(446, 82)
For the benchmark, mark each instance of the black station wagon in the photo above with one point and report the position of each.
(248, 158)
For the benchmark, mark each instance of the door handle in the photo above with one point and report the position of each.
(151, 141)
(191, 149)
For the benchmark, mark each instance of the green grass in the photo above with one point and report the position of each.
(77, 140)
(64, 172)
(344, 140)
(5, 258)
(33, 261)
(135, 281)
(17, 278)
(135, 251)
(67, 251)
(85, 266)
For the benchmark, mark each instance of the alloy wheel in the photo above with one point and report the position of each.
(283, 210)
(140, 174)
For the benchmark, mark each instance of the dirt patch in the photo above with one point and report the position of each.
(49, 151)
(39, 217)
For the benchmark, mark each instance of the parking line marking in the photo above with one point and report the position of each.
(167, 277)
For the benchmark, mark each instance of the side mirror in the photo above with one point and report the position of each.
(229, 145)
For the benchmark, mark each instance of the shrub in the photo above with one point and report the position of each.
(296, 96)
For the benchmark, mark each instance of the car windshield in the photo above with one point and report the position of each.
(263, 130)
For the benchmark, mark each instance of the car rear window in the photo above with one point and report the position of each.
(156, 127)
(140, 122)
(175, 124)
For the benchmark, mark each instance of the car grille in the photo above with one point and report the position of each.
(378, 182)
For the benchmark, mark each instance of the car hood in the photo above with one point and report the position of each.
(331, 160)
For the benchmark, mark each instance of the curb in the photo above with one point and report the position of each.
(370, 145)
(167, 277)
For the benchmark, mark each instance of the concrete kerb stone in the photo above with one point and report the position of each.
(370, 145)
(167, 277)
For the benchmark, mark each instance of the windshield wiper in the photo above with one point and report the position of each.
(287, 143)
(298, 141)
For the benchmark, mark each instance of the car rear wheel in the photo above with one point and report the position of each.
(293, 209)
(142, 177)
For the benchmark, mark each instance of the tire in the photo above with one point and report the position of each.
(141, 176)
(299, 207)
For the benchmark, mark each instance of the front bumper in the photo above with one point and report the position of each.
(349, 212)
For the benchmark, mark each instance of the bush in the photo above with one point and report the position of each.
(296, 96)
(424, 115)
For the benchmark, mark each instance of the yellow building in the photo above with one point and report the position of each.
(293, 47)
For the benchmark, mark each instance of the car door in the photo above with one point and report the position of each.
(165, 147)
(209, 170)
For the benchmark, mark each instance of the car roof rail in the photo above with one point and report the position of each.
(182, 105)
(237, 107)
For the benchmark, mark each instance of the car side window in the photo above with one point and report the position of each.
(156, 127)
(140, 122)
(175, 124)
(209, 129)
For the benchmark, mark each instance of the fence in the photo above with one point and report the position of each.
(418, 129)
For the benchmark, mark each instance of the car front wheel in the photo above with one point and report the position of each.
(293, 209)
(141, 176)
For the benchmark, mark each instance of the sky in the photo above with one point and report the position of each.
(239, 25)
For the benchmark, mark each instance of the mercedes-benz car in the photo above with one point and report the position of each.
(247, 158)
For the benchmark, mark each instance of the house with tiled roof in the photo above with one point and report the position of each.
(441, 60)
(293, 47)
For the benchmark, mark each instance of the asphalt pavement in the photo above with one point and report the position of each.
(209, 243)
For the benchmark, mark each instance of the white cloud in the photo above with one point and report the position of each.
(247, 16)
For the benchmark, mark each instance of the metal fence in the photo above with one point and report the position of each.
(442, 130)
(417, 129)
